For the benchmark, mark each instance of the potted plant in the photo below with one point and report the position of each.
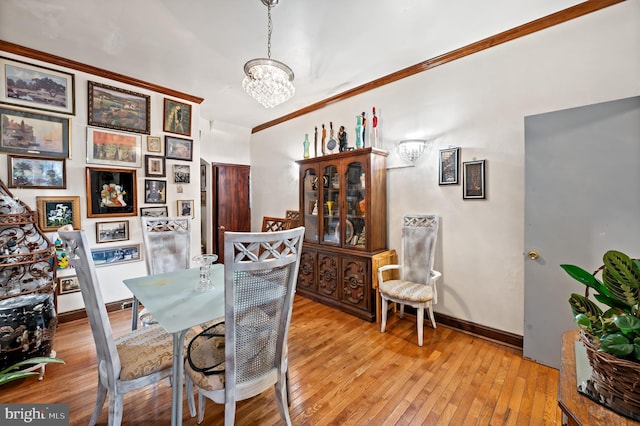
(611, 336)
(13, 372)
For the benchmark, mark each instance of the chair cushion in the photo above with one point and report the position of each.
(406, 290)
(146, 351)
(207, 353)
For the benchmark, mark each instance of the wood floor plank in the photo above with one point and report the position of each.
(343, 371)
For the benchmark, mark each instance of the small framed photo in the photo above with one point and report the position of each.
(115, 255)
(185, 208)
(68, 284)
(181, 173)
(155, 191)
(154, 144)
(54, 212)
(36, 87)
(178, 148)
(107, 232)
(34, 134)
(154, 166)
(449, 164)
(33, 172)
(113, 148)
(118, 109)
(161, 211)
(474, 179)
(177, 117)
(111, 192)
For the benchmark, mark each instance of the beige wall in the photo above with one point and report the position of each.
(477, 103)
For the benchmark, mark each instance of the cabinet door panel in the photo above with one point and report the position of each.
(355, 282)
(307, 271)
(328, 275)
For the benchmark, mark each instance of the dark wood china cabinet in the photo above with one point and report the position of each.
(343, 206)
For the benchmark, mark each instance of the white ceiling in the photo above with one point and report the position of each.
(200, 46)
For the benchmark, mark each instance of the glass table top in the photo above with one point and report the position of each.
(173, 300)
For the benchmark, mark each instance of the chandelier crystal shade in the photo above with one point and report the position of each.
(268, 81)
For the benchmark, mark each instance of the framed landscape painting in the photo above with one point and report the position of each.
(111, 192)
(34, 134)
(178, 148)
(36, 87)
(160, 211)
(118, 109)
(54, 212)
(177, 117)
(107, 232)
(114, 255)
(33, 172)
(113, 148)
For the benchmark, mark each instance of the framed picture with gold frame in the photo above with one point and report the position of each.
(54, 212)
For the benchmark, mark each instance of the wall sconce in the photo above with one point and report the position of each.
(411, 150)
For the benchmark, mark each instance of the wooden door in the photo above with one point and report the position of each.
(231, 202)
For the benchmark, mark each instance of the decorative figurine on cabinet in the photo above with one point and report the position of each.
(364, 129)
(358, 131)
(342, 138)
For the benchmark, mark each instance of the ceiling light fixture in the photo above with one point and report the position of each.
(268, 81)
(411, 149)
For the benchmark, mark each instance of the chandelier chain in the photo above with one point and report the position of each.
(269, 31)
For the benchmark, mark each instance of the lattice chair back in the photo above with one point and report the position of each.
(419, 237)
(261, 270)
(272, 224)
(167, 248)
(167, 243)
(294, 215)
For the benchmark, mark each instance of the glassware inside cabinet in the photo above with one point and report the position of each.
(331, 205)
(311, 187)
(356, 205)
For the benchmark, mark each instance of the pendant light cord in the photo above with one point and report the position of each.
(269, 31)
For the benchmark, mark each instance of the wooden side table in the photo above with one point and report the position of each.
(577, 409)
(387, 257)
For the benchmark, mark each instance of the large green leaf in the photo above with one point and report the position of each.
(581, 305)
(15, 375)
(627, 324)
(621, 290)
(586, 278)
(616, 344)
(622, 267)
(636, 348)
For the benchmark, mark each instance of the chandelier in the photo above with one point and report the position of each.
(268, 81)
(412, 149)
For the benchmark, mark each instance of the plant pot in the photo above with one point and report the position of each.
(614, 382)
(27, 326)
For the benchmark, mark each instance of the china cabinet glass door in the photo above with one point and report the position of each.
(331, 205)
(311, 208)
(355, 188)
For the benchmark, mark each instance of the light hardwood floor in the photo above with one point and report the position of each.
(343, 371)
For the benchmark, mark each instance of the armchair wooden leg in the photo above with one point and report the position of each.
(420, 325)
(383, 325)
(433, 319)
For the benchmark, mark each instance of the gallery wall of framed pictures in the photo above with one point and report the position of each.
(95, 153)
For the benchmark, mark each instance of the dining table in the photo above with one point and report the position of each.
(177, 305)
